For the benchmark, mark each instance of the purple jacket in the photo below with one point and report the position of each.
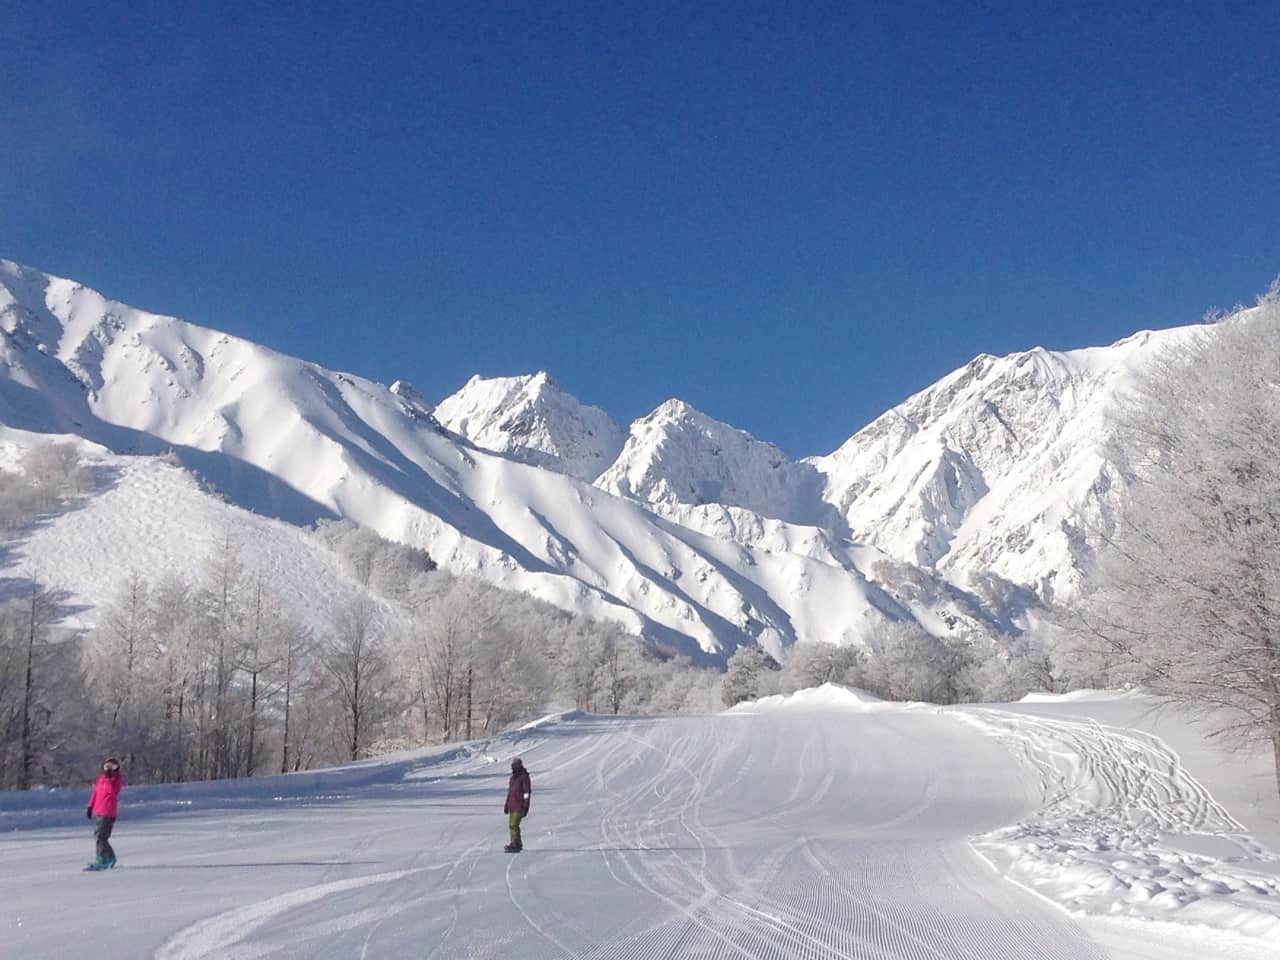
(518, 791)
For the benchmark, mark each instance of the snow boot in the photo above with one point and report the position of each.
(109, 862)
(98, 864)
(511, 848)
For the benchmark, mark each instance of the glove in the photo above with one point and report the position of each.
(88, 813)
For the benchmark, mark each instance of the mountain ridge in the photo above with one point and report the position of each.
(682, 528)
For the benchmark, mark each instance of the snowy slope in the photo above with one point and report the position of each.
(149, 517)
(532, 419)
(828, 828)
(293, 440)
(999, 467)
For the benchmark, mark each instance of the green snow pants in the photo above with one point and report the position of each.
(513, 825)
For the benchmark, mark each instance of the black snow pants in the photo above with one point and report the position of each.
(102, 833)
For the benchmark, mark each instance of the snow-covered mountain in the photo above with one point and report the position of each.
(532, 419)
(1001, 467)
(693, 532)
(293, 440)
(680, 456)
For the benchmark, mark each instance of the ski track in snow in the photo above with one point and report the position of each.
(810, 835)
(1126, 830)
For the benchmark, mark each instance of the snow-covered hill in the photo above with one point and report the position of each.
(693, 532)
(149, 517)
(532, 419)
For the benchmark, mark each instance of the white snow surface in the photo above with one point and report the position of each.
(828, 696)
(820, 832)
(1126, 830)
(534, 420)
(152, 518)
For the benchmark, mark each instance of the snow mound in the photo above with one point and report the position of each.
(1077, 696)
(1127, 831)
(562, 716)
(829, 696)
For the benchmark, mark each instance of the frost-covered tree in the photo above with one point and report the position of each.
(270, 657)
(577, 653)
(441, 638)
(619, 667)
(383, 566)
(175, 663)
(47, 475)
(813, 664)
(355, 658)
(511, 676)
(40, 691)
(295, 649)
(677, 685)
(745, 675)
(116, 653)
(1187, 595)
(1011, 671)
(222, 598)
(56, 470)
(907, 663)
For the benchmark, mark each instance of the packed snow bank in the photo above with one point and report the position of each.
(829, 696)
(1127, 831)
(561, 717)
(1078, 696)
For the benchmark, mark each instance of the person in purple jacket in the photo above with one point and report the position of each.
(517, 806)
(103, 807)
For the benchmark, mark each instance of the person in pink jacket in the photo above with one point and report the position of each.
(103, 806)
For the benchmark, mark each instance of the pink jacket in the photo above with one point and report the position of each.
(106, 793)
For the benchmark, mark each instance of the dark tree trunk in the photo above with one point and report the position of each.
(288, 690)
(468, 701)
(24, 773)
(253, 723)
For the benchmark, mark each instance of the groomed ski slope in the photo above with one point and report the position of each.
(822, 826)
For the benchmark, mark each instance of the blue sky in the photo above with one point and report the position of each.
(791, 216)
